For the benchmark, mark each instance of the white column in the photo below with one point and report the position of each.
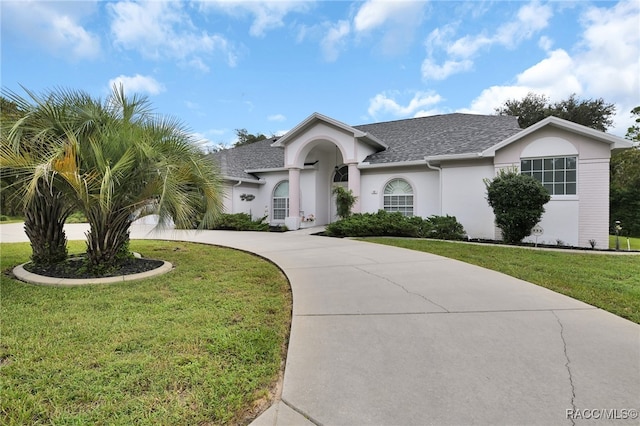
(354, 185)
(293, 220)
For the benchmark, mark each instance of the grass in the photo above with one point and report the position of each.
(10, 219)
(610, 282)
(203, 344)
(633, 242)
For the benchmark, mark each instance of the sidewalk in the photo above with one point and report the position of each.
(387, 336)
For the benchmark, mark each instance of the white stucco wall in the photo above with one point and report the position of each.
(232, 203)
(573, 219)
(559, 223)
(464, 196)
(425, 183)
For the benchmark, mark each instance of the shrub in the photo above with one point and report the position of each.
(77, 217)
(445, 228)
(344, 201)
(518, 203)
(4, 218)
(395, 224)
(239, 222)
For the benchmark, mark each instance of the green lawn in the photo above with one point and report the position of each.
(204, 344)
(633, 242)
(610, 282)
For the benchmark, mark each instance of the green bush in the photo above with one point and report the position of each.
(445, 228)
(76, 217)
(344, 201)
(395, 224)
(4, 218)
(518, 203)
(240, 222)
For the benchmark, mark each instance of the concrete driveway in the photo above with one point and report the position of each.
(389, 336)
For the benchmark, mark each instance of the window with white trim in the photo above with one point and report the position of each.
(281, 200)
(398, 197)
(557, 174)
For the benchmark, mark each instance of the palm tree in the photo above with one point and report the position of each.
(119, 161)
(30, 134)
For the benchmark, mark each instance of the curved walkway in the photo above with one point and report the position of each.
(388, 336)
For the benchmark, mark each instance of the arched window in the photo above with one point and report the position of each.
(281, 200)
(342, 175)
(398, 197)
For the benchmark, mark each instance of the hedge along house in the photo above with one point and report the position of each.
(425, 166)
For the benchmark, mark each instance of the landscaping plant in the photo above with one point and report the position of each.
(344, 201)
(383, 223)
(518, 203)
(114, 160)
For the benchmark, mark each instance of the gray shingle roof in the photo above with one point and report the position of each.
(258, 155)
(416, 138)
(408, 140)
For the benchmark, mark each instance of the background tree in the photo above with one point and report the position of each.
(245, 138)
(529, 110)
(633, 132)
(10, 200)
(518, 203)
(625, 183)
(594, 113)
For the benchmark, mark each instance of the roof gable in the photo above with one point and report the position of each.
(314, 118)
(615, 141)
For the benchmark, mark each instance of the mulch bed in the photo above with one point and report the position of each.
(77, 268)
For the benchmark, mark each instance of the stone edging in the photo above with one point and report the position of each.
(29, 277)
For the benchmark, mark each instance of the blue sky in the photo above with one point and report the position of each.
(266, 66)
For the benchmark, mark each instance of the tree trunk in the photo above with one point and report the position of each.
(108, 239)
(45, 215)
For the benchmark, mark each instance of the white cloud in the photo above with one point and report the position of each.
(495, 96)
(162, 30)
(467, 46)
(276, 117)
(396, 20)
(55, 26)
(266, 15)
(375, 13)
(545, 43)
(138, 83)
(608, 57)
(384, 103)
(605, 65)
(529, 20)
(334, 40)
(554, 74)
(432, 71)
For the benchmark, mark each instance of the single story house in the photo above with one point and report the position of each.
(425, 166)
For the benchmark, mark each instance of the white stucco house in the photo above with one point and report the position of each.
(425, 166)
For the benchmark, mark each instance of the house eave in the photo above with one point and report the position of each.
(615, 141)
(244, 180)
(369, 139)
(275, 169)
(453, 157)
(394, 164)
